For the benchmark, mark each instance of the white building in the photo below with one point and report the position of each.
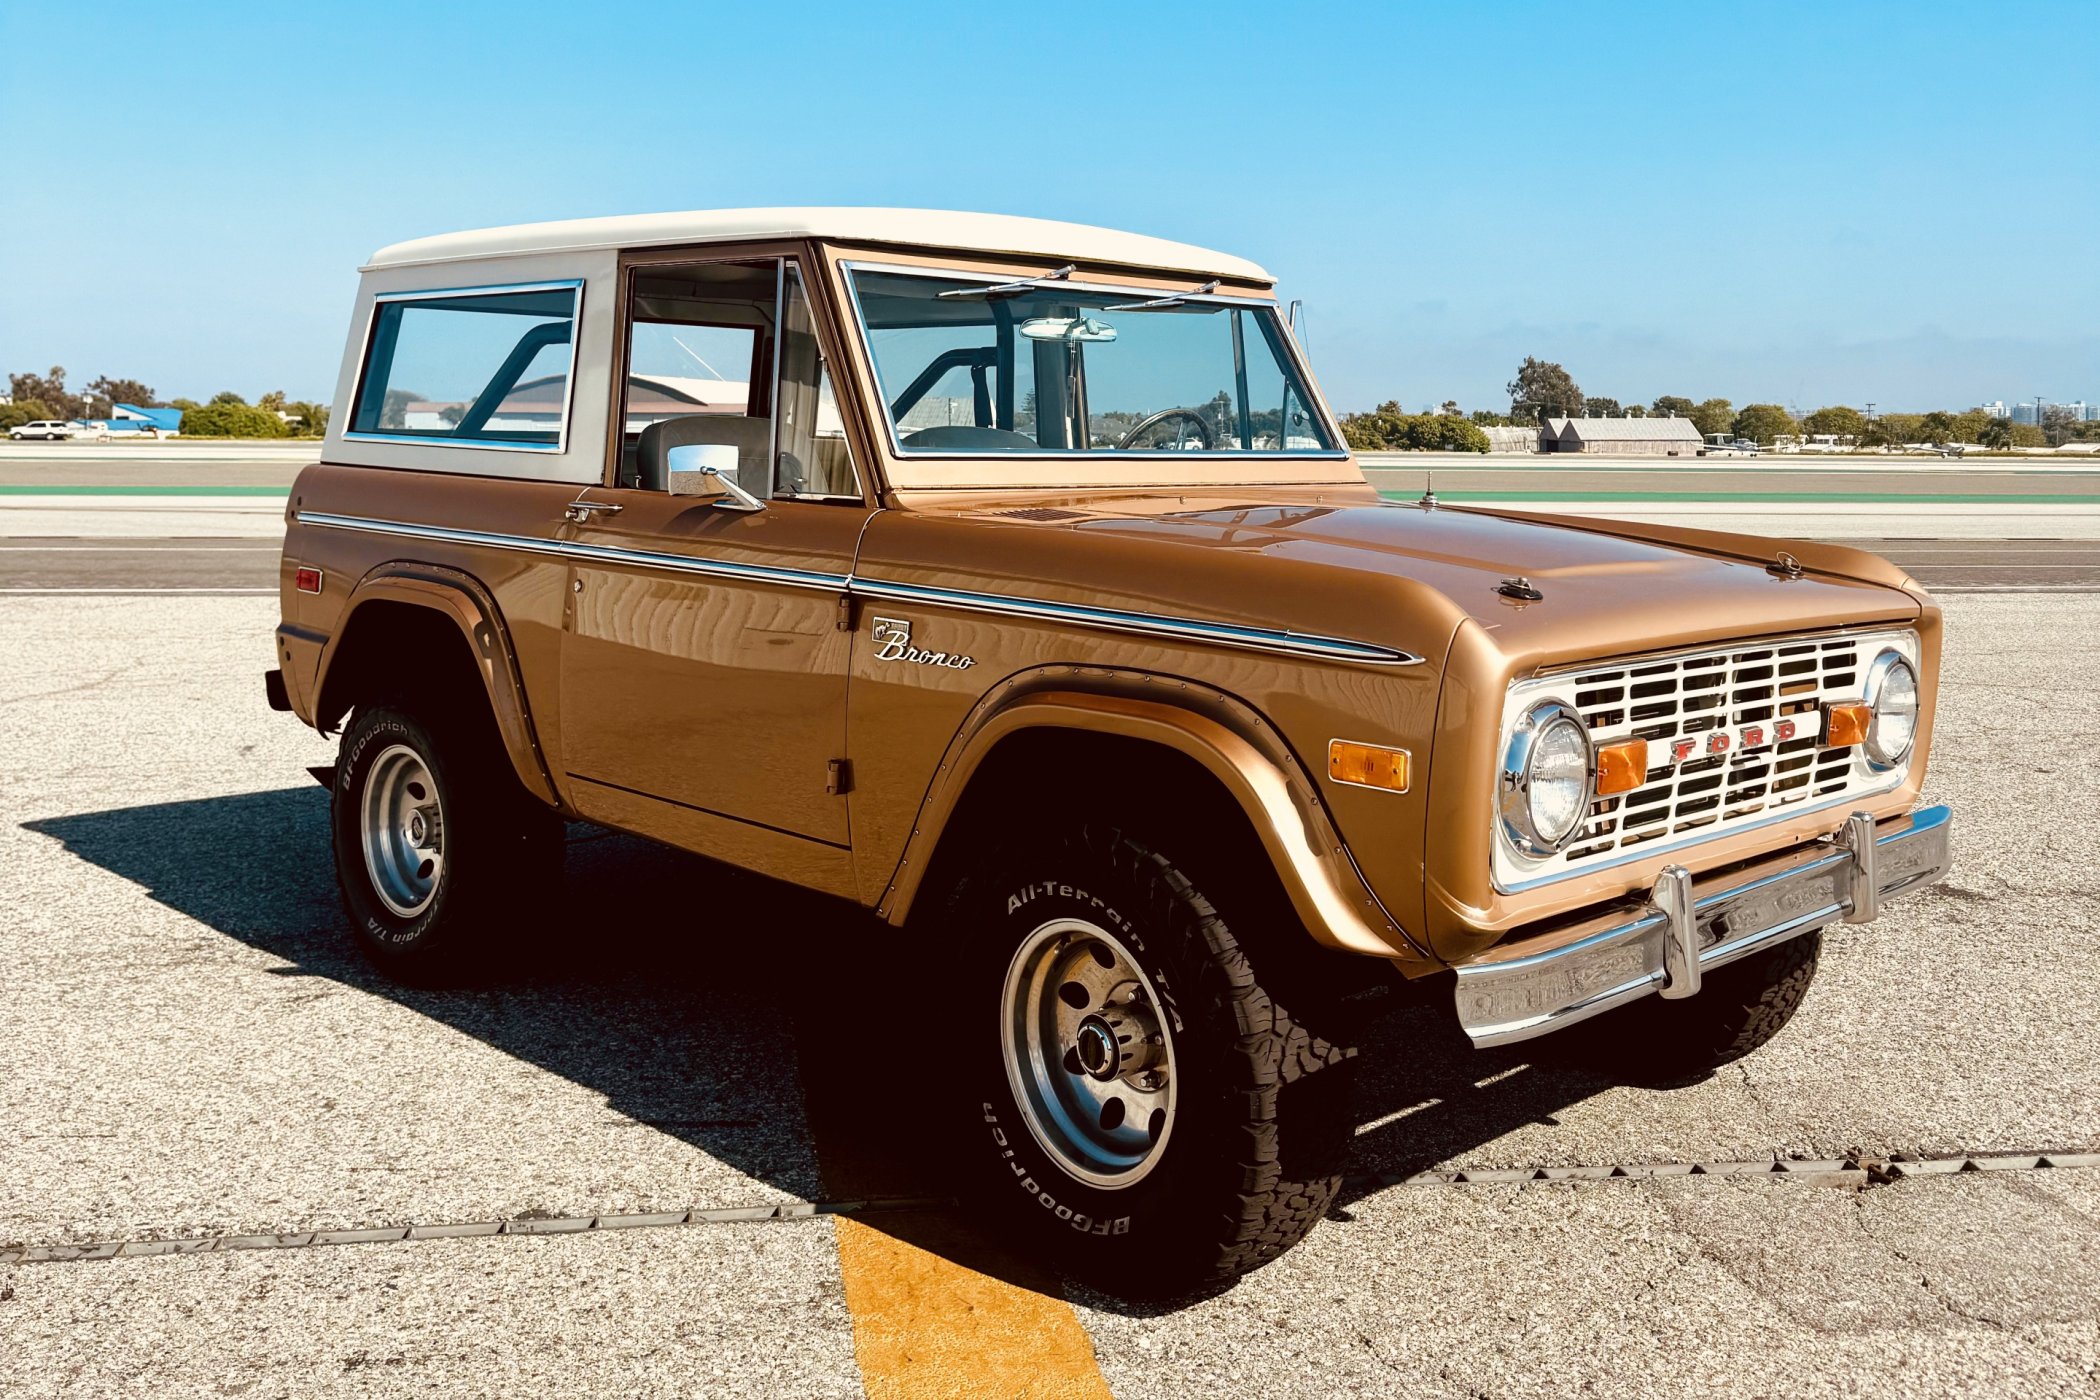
(1630, 437)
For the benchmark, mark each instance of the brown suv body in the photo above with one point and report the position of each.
(822, 690)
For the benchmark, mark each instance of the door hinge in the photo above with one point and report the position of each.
(845, 612)
(838, 777)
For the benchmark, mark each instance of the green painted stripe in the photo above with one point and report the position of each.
(279, 492)
(2091, 498)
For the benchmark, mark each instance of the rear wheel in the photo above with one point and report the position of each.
(439, 852)
(1146, 1104)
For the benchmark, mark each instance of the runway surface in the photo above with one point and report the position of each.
(173, 564)
(676, 1099)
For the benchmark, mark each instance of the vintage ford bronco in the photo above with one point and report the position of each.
(1011, 580)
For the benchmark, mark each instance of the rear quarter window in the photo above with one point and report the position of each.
(483, 367)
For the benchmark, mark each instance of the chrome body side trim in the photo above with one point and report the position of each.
(1005, 605)
(577, 550)
(1144, 624)
(1502, 1000)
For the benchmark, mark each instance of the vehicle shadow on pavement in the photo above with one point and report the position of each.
(708, 1003)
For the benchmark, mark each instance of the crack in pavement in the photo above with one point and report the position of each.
(1857, 1173)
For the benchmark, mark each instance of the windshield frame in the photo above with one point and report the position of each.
(1145, 288)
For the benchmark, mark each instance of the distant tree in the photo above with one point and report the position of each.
(1968, 427)
(129, 391)
(184, 404)
(2028, 435)
(1634, 410)
(14, 415)
(309, 419)
(393, 409)
(1838, 420)
(1450, 409)
(272, 401)
(1763, 422)
(1488, 418)
(1389, 428)
(228, 396)
(1671, 406)
(1936, 428)
(1542, 389)
(1601, 408)
(1712, 416)
(48, 390)
(1893, 430)
(236, 419)
(1996, 434)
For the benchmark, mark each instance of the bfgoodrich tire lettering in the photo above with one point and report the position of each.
(1260, 1098)
(483, 856)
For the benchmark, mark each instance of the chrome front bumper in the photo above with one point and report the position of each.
(1513, 995)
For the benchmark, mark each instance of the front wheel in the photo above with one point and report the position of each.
(1147, 1105)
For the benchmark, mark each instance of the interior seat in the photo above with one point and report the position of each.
(751, 437)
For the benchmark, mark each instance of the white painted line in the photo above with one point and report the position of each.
(132, 592)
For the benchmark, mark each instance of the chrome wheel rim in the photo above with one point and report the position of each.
(402, 827)
(1088, 1054)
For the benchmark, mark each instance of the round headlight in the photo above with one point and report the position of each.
(1547, 772)
(1892, 689)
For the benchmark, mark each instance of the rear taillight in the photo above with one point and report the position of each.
(307, 580)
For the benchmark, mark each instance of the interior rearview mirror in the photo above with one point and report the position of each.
(1069, 329)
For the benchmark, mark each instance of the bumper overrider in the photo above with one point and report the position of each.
(1513, 993)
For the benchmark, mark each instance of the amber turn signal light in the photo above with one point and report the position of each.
(1845, 725)
(1622, 767)
(1368, 765)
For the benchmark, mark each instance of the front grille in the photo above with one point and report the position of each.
(1742, 692)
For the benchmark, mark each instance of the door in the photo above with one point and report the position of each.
(704, 662)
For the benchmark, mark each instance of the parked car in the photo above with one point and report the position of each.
(44, 429)
(1012, 580)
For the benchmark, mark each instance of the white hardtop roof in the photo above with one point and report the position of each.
(918, 228)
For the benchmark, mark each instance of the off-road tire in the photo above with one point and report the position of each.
(502, 846)
(1250, 1164)
(1738, 1008)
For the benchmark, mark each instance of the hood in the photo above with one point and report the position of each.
(1606, 587)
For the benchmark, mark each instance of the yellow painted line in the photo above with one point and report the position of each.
(927, 1326)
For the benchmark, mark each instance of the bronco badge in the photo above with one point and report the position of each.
(892, 638)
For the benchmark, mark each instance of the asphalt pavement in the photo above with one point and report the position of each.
(193, 1052)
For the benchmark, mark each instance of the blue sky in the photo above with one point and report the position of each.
(1801, 203)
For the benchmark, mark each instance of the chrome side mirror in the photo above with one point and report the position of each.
(708, 469)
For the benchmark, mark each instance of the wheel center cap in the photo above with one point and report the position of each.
(415, 828)
(1099, 1054)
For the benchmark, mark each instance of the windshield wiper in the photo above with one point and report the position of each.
(1009, 289)
(1171, 299)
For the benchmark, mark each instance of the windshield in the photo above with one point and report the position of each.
(968, 366)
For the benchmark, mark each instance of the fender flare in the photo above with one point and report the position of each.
(1227, 737)
(462, 598)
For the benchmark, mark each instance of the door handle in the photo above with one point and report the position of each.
(580, 512)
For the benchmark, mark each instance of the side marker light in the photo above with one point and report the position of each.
(1368, 765)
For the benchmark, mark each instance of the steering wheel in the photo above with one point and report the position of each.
(1146, 424)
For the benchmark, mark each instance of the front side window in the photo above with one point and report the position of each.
(725, 355)
(482, 368)
(969, 366)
